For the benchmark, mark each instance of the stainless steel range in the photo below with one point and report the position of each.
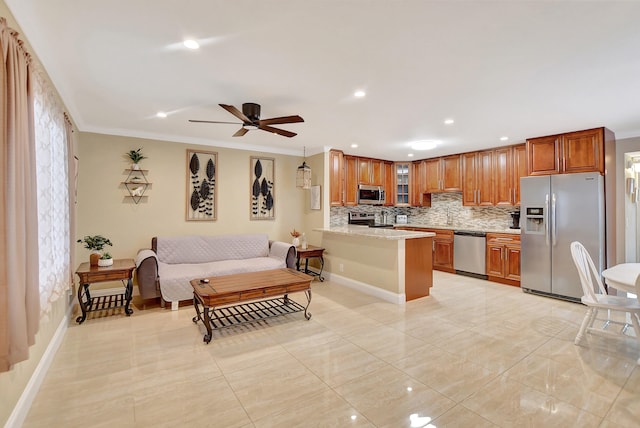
(366, 219)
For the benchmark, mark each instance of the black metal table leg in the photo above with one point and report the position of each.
(83, 305)
(320, 277)
(127, 295)
(307, 315)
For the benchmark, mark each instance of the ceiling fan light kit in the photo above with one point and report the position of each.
(250, 117)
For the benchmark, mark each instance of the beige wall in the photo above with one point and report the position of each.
(103, 207)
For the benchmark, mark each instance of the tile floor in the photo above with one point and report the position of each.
(474, 354)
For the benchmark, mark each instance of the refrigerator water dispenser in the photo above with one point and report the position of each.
(534, 221)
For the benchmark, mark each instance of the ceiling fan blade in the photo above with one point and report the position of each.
(240, 132)
(213, 121)
(281, 120)
(277, 131)
(237, 113)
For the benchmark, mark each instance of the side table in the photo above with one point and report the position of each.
(307, 253)
(122, 269)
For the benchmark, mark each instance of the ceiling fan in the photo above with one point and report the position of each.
(250, 117)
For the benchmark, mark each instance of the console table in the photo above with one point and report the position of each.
(307, 253)
(122, 269)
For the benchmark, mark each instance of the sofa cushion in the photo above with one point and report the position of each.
(175, 278)
(205, 249)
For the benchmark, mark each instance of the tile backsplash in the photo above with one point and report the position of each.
(461, 216)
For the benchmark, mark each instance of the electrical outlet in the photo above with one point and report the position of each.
(341, 267)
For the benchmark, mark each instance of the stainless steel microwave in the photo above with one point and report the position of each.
(371, 195)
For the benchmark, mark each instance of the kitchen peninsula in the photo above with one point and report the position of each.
(395, 265)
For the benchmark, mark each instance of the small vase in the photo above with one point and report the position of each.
(296, 241)
(135, 166)
(105, 262)
(94, 258)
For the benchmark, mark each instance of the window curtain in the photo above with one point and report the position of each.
(53, 194)
(19, 290)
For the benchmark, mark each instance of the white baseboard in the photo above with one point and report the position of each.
(20, 411)
(398, 299)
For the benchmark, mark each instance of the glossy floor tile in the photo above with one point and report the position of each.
(473, 354)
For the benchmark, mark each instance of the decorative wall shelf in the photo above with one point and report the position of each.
(136, 184)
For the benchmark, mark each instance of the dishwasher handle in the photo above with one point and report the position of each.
(470, 233)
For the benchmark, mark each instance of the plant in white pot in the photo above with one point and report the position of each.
(136, 156)
(105, 260)
(96, 244)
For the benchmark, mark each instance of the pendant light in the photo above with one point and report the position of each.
(303, 175)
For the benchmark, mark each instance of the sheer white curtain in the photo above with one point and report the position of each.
(53, 196)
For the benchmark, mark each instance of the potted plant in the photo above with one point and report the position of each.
(96, 244)
(136, 156)
(105, 260)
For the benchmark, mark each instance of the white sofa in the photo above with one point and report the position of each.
(167, 268)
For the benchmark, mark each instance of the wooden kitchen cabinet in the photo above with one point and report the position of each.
(350, 180)
(569, 153)
(370, 171)
(519, 170)
(419, 197)
(402, 183)
(503, 258)
(478, 180)
(336, 178)
(442, 250)
(389, 184)
(503, 176)
(583, 151)
(442, 247)
(443, 174)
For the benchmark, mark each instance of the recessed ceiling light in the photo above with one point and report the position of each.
(354, 146)
(410, 155)
(424, 145)
(161, 114)
(359, 94)
(504, 138)
(191, 44)
(448, 121)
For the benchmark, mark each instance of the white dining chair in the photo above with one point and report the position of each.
(595, 297)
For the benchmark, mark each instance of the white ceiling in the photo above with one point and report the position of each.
(518, 69)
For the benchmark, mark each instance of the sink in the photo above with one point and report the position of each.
(381, 225)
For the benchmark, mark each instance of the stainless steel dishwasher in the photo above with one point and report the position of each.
(469, 249)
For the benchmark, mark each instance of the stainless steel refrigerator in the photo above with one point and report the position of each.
(555, 211)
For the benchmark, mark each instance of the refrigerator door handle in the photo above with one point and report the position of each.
(546, 219)
(553, 220)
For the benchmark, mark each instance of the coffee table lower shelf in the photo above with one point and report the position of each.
(230, 316)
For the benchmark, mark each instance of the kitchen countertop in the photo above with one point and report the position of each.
(375, 232)
(459, 227)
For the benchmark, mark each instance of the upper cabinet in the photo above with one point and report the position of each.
(477, 189)
(419, 195)
(371, 171)
(492, 177)
(443, 174)
(573, 152)
(389, 183)
(336, 178)
(402, 192)
(519, 170)
(351, 180)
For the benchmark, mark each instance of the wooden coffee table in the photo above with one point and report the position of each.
(222, 296)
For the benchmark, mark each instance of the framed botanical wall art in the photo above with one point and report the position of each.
(262, 188)
(202, 168)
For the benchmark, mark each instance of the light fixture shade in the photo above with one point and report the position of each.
(303, 176)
